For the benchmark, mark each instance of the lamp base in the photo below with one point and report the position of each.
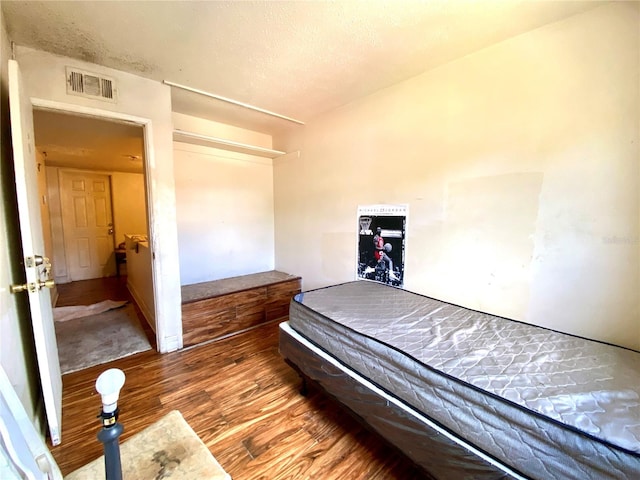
(109, 438)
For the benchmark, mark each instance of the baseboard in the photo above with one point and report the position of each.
(144, 308)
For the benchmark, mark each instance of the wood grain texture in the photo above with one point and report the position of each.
(211, 318)
(278, 298)
(242, 399)
(88, 292)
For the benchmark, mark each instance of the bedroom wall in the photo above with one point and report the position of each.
(520, 165)
(224, 204)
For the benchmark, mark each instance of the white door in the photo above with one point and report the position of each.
(88, 224)
(33, 246)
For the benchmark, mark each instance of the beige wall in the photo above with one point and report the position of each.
(137, 99)
(224, 205)
(520, 167)
(129, 204)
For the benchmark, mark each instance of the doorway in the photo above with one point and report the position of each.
(96, 191)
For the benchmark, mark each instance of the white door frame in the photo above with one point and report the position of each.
(149, 159)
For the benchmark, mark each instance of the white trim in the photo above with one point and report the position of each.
(188, 137)
(88, 111)
(226, 155)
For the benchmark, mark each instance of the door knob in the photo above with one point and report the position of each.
(48, 283)
(18, 288)
(33, 286)
(110, 231)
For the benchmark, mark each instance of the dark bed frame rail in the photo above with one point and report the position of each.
(308, 384)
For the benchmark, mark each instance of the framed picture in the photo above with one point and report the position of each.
(381, 243)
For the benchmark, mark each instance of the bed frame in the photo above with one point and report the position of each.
(431, 447)
(440, 451)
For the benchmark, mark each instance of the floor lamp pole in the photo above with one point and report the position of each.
(108, 386)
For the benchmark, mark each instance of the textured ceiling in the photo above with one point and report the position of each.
(299, 59)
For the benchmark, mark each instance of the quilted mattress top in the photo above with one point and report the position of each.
(587, 385)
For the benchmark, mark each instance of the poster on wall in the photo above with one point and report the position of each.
(381, 243)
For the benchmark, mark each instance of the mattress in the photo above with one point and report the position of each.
(547, 404)
(438, 452)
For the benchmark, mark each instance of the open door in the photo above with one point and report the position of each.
(33, 250)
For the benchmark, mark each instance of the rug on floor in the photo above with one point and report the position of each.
(169, 449)
(88, 341)
(62, 314)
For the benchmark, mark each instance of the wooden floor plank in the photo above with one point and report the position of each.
(243, 401)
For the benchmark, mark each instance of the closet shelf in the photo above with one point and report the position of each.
(207, 141)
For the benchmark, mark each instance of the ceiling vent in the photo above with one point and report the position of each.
(90, 85)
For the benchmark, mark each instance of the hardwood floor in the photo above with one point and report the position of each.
(242, 399)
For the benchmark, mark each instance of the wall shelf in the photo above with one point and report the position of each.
(208, 141)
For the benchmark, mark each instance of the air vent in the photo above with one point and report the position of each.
(90, 85)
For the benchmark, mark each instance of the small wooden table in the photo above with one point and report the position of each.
(121, 259)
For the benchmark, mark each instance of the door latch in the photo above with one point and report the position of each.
(34, 262)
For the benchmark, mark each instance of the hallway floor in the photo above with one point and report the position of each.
(88, 292)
